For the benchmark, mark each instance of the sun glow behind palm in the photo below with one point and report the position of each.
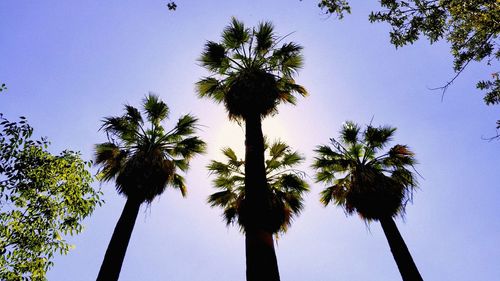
(93, 57)
(233, 135)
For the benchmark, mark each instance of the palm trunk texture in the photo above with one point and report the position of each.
(402, 256)
(260, 254)
(115, 253)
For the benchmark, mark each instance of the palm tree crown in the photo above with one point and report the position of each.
(143, 157)
(286, 186)
(362, 180)
(251, 74)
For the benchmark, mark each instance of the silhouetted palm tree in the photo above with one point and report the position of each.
(143, 159)
(375, 185)
(286, 184)
(251, 76)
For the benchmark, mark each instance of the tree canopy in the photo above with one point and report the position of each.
(471, 28)
(361, 177)
(141, 156)
(251, 74)
(286, 185)
(42, 197)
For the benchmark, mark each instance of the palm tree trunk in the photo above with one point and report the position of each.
(255, 169)
(402, 256)
(260, 254)
(115, 254)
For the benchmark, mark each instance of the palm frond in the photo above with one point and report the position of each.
(120, 128)
(235, 35)
(286, 97)
(105, 152)
(288, 50)
(222, 199)
(188, 147)
(277, 149)
(230, 154)
(330, 162)
(178, 182)
(271, 165)
(288, 85)
(356, 150)
(292, 182)
(228, 182)
(111, 158)
(281, 157)
(287, 59)
(182, 164)
(378, 137)
(295, 203)
(133, 115)
(230, 214)
(325, 151)
(214, 57)
(186, 125)
(211, 88)
(155, 109)
(350, 133)
(218, 168)
(291, 159)
(399, 156)
(405, 177)
(327, 195)
(264, 37)
(336, 193)
(324, 176)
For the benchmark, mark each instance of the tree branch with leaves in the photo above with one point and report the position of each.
(42, 198)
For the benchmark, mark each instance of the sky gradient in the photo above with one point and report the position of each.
(68, 64)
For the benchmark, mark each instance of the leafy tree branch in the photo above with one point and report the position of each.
(42, 197)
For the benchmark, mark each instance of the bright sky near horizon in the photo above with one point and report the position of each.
(68, 64)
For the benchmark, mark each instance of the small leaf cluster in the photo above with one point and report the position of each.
(493, 88)
(42, 197)
(172, 6)
(335, 7)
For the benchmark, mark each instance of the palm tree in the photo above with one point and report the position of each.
(143, 159)
(251, 75)
(286, 186)
(375, 185)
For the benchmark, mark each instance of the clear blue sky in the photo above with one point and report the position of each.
(68, 64)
